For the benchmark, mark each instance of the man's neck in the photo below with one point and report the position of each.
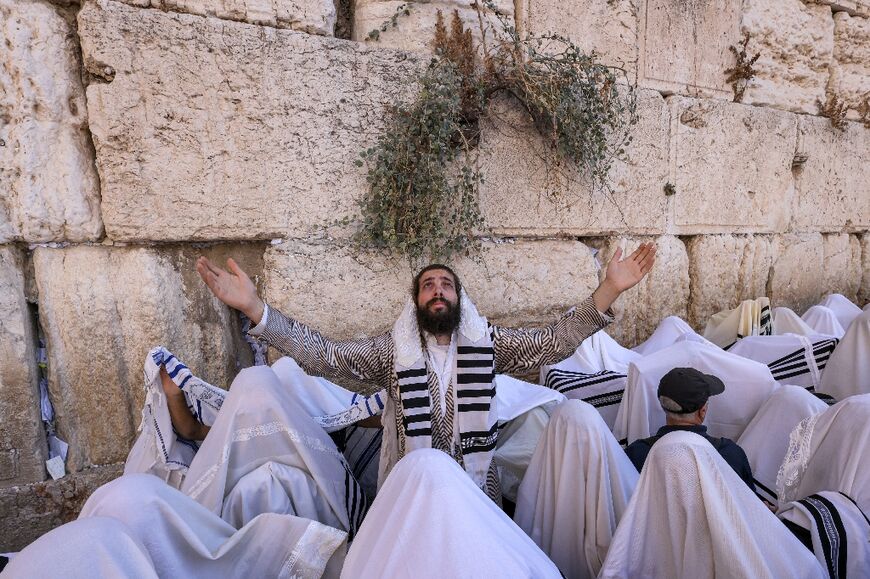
(670, 422)
(443, 339)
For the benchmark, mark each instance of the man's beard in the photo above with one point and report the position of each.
(440, 322)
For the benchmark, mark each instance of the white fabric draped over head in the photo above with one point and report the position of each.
(576, 489)
(669, 331)
(431, 520)
(692, 517)
(848, 370)
(843, 308)
(765, 440)
(750, 318)
(828, 452)
(785, 321)
(823, 321)
(748, 385)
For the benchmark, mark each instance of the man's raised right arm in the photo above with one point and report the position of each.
(360, 360)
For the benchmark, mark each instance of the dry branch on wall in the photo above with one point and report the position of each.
(739, 75)
(834, 109)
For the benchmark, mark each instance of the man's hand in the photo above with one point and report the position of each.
(623, 274)
(234, 287)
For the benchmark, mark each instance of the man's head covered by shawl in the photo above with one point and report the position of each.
(437, 293)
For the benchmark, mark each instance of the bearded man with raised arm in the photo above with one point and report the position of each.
(436, 366)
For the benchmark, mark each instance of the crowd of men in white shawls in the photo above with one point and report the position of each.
(280, 487)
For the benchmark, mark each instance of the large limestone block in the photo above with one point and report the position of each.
(684, 45)
(521, 170)
(725, 270)
(864, 290)
(415, 30)
(852, 7)
(732, 166)
(29, 511)
(346, 295)
(22, 439)
(201, 137)
(609, 27)
(796, 42)
(809, 266)
(103, 309)
(49, 189)
(664, 292)
(850, 69)
(833, 185)
(312, 16)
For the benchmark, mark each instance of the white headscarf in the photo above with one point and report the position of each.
(848, 369)
(576, 489)
(748, 385)
(692, 517)
(828, 452)
(823, 321)
(765, 440)
(843, 308)
(431, 520)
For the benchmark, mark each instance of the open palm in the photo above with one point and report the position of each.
(626, 273)
(233, 287)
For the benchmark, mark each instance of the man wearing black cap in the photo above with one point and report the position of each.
(683, 394)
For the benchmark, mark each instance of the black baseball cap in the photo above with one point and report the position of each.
(689, 388)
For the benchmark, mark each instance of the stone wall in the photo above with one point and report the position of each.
(136, 135)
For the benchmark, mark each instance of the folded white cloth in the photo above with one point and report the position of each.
(576, 489)
(692, 517)
(842, 307)
(765, 440)
(828, 452)
(750, 318)
(823, 321)
(748, 384)
(431, 520)
(848, 369)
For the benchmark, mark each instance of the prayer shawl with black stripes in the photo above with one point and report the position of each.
(410, 418)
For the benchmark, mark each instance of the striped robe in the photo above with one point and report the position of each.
(372, 360)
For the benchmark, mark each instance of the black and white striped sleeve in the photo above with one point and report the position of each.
(367, 360)
(522, 350)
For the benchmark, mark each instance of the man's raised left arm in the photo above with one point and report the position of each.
(520, 350)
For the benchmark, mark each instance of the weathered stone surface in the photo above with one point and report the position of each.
(312, 16)
(102, 309)
(415, 31)
(864, 290)
(664, 292)
(198, 138)
(609, 27)
(853, 7)
(29, 511)
(347, 295)
(732, 166)
(521, 171)
(49, 190)
(684, 44)
(725, 270)
(809, 266)
(796, 43)
(833, 185)
(850, 69)
(22, 440)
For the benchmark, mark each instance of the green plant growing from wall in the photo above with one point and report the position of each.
(423, 174)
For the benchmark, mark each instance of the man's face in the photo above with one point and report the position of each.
(437, 302)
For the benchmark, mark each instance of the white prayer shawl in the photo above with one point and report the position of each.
(576, 489)
(84, 549)
(840, 532)
(843, 308)
(691, 516)
(785, 321)
(848, 369)
(158, 450)
(748, 384)
(792, 359)
(669, 330)
(265, 454)
(431, 521)
(823, 321)
(828, 452)
(750, 318)
(184, 539)
(595, 373)
(765, 440)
